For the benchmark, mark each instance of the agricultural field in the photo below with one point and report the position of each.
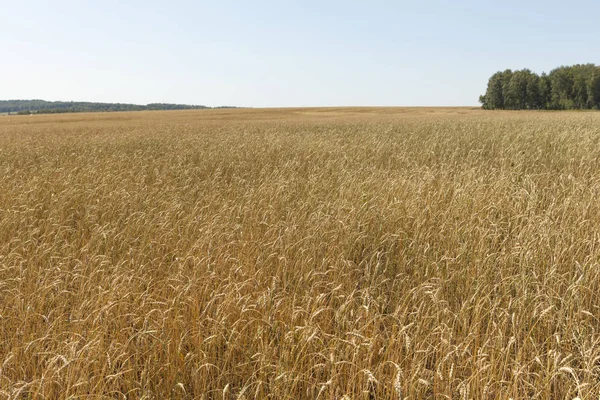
(343, 253)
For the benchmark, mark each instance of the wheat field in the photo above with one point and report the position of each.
(359, 253)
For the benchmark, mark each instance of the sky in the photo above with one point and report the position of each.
(284, 53)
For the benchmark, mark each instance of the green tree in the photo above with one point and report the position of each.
(564, 88)
(545, 91)
(494, 95)
(593, 88)
(515, 93)
(533, 98)
(561, 81)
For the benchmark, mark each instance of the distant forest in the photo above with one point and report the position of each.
(50, 107)
(574, 87)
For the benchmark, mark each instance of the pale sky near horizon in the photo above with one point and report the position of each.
(284, 53)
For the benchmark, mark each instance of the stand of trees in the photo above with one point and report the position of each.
(564, 88)
(51, 107)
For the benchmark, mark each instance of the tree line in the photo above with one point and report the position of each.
(564, 88)
(48, 107)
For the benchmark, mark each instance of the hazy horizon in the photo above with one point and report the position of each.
(268, 54)
(235, 106)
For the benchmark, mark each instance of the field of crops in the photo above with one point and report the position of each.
(300, 254)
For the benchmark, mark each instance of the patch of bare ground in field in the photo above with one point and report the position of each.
(357, 253)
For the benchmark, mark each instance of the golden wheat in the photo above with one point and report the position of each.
(300, 253)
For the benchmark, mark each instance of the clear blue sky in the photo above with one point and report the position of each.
(284, 53)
